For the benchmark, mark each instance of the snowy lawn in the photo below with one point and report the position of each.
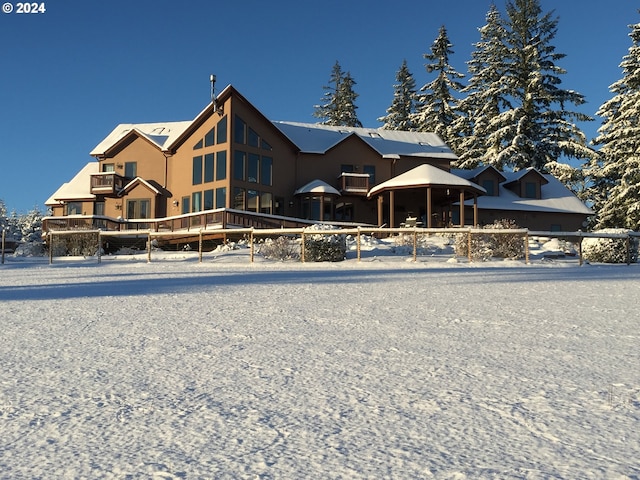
(378, 369)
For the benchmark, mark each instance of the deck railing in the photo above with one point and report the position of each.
(107, 183)
(354, 183)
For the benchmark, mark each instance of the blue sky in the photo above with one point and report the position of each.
(70, 75)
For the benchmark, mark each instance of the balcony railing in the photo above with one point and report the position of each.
(106, 183)
(354, 183)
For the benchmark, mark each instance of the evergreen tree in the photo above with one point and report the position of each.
(399, 114)
(3, 216)
(338, 107)
(536, 129)
(486, 97)
(31, 226)
(615, 174)
(436, 105)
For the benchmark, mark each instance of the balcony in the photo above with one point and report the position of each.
(354, 183)
(107, 183)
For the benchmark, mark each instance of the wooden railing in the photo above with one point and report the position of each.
(106, 183)
(354, 183)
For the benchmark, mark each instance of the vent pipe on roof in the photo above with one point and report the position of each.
(212, 80)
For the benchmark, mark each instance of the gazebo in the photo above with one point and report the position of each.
(440, 187)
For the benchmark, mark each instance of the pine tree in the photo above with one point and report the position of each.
(31, 226)
(338, 107)
(436, 105)
(536, 129)
(486, 97)
(616, 172)
(3, 216)
(399, 114)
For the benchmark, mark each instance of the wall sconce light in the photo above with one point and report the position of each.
(118, 206)
(176, 203)
(291, 204)
(119, 166)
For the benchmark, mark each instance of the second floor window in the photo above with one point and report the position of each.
(131, 169)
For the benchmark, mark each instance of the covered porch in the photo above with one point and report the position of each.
(432, 197)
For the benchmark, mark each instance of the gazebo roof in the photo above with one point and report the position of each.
(317, 186)
(426, 176)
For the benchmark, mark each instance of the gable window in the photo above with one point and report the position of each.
(238, 198)
(238, 165)
(197, 170)
(253, 166)
(264, 145)
(221, 165)
(221, 137)
(186, 205)
(208, 199)
(252, 138)
(198, 145)
(130, 169)
(196, 202)
(208, 167)
(266, 203)
(138, 208)
(489, 186)
(221, 197)
(252, 200)
(239, 131)
(209, 138)
(266, 170)
(530, 190)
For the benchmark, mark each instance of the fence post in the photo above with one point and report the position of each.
(251, 251)
(469, 245)
(200, 246)
(526, 247)
(51, 247)
(580, 261)
(3, 239)
(99, 247)
(302, 246)
(628, 242)
(358, 243)
(148, 247)
(415, 244)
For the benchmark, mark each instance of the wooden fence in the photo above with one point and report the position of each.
(254, 234)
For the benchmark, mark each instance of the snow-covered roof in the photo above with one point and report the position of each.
(317, 138)
(78, 188)
(317, 186)
(424, 175)
(160, 134)
(555, 197)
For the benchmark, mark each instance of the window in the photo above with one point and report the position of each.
(98, 208)
(266, 203)
(186, 205)
(239, 131)
(196, 202)
(208, 199)
(208, 167)
(209, 138)
(371, 170)
(238, 198)
(222, 131)
(221, 165)
(198, 145)
(74, 208)
(221, 197)
(264, 145)
(108, 168)
(530, 190)
(252, 138)
(197, 170)
(252, 167)
(238, 165)
(252, 200)
(489, 186)
(347, 168)
(279, 206)
(138, 208)
(130, 169)
(266, 169)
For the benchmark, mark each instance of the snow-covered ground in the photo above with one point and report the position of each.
(383, 368)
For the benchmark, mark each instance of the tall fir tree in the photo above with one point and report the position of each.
(535, 129)
(399, 114)
(338, 107)
(615, 174)
(486, 97)
(436, 104)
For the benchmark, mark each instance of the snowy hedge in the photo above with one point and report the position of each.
(485, 246)
(610, 250)
(324, 247)
(281, 248)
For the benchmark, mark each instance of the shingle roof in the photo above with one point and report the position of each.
(317, 138)
(78, 188)
(161, 134)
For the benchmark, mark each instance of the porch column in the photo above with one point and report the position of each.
(392, 206)
(380, 210)
(428, 225)
(475, 210)
(462, 208)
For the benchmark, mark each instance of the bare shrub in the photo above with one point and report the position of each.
(485, 246)
(281, 248)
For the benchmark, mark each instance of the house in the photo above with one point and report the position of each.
(231, 158)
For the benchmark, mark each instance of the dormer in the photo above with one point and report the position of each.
(490, 179)
(527, 184)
